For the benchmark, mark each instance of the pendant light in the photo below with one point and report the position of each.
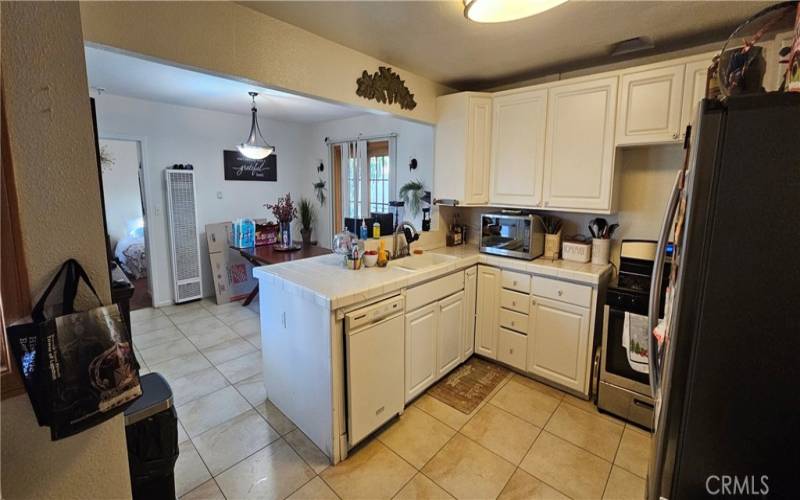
(499, 11)
(255, 147)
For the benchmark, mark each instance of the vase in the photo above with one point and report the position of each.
(552, 245)
(286, 233)
(306, 235)
(600, 250)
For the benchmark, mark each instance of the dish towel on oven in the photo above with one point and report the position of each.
(635, 341)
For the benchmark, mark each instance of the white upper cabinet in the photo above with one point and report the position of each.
(463, 147)
(518, 138)
(650, 105)
(579, 148)
(694, 89)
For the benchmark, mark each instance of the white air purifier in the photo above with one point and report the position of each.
(184, 242)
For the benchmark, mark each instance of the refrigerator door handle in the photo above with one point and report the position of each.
(655, 284)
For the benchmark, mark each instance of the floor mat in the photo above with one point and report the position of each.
(469, 384)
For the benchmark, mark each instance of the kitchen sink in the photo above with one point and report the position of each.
(417, 262)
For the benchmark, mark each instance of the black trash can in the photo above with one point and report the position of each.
(151, 429)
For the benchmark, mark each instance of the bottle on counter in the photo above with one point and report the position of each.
(376, 230)
(363, 233)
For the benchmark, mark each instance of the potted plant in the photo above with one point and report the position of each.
(284, 212)
(411, 193)
(307, 217)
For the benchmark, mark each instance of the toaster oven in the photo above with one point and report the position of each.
(512, 234)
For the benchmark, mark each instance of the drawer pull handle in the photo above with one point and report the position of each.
(512, 323)
(515, 282)
(511, 351)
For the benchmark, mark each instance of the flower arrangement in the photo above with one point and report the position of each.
(284, 210)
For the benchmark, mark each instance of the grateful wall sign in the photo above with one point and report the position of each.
(241, 168)
(385, 86)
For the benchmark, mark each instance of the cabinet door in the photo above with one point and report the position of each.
(650, 106)
(558, 343)
(694, 89)
(479, 140)
(518, 136)
(421, 349)
(486, 323)
(579, 150)
(470, 292)
(449, 333)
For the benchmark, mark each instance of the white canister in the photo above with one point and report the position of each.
(601, 249)
(576, 251)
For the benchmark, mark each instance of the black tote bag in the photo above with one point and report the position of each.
(79, 368)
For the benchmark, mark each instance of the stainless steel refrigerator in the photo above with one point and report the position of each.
(726, 379)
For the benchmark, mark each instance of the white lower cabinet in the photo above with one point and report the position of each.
(486, 316)
(511, 348)
(449, 333)
(421, 349)
(434, 334)
(470, 295)
(558, 342)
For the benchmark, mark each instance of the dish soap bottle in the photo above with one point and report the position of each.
(382, 257)
(363, 233)
(376, 230)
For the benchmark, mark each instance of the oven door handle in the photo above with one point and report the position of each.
(655, 284)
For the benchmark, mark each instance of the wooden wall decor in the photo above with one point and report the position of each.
(385, 86)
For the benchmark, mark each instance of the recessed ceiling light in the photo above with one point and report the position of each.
(499, 11)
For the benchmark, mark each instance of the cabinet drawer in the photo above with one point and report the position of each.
(514, 320)
(516, 281)
(512, 348)
(580, 295)
(434, 290)
(514, 300)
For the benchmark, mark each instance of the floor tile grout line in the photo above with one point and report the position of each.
(541, 430)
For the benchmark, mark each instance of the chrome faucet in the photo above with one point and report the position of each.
(404, 235)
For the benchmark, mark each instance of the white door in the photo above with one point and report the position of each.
(518, 138)
(579, 150)
(421, 349)
(650, 106)
(694, 89)
(449, 333)
(479, 140)
(470, 291)
(486, 322)
(558, 342)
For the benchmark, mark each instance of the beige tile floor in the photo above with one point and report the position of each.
(525, 441)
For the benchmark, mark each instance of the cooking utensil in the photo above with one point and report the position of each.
(611, 229)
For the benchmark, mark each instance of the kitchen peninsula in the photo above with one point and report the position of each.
(537, 317)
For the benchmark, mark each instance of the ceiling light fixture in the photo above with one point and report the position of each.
(255, 147)
(499, 11)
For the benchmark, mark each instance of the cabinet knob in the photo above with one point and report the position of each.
(675, 135)
(513, 302)
(533, 302)
(511, 351)
(515, 282)
(560, 293)
(512, 323)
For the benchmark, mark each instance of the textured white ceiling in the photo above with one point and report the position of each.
(435, 40)
(125, 75)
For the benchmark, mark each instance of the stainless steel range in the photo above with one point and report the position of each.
(624, 387)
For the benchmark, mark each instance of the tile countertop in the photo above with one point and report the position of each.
(325, 280)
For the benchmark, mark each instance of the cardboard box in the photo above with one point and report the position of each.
(232, 273)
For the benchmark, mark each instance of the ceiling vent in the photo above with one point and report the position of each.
(632, 45)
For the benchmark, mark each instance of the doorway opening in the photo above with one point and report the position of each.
(126, 215)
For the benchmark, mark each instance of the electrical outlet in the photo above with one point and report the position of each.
(219, 195)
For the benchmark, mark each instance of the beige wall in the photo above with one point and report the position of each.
(49, 120)
(230, 39)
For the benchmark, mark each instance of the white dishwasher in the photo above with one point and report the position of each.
(375, 347)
